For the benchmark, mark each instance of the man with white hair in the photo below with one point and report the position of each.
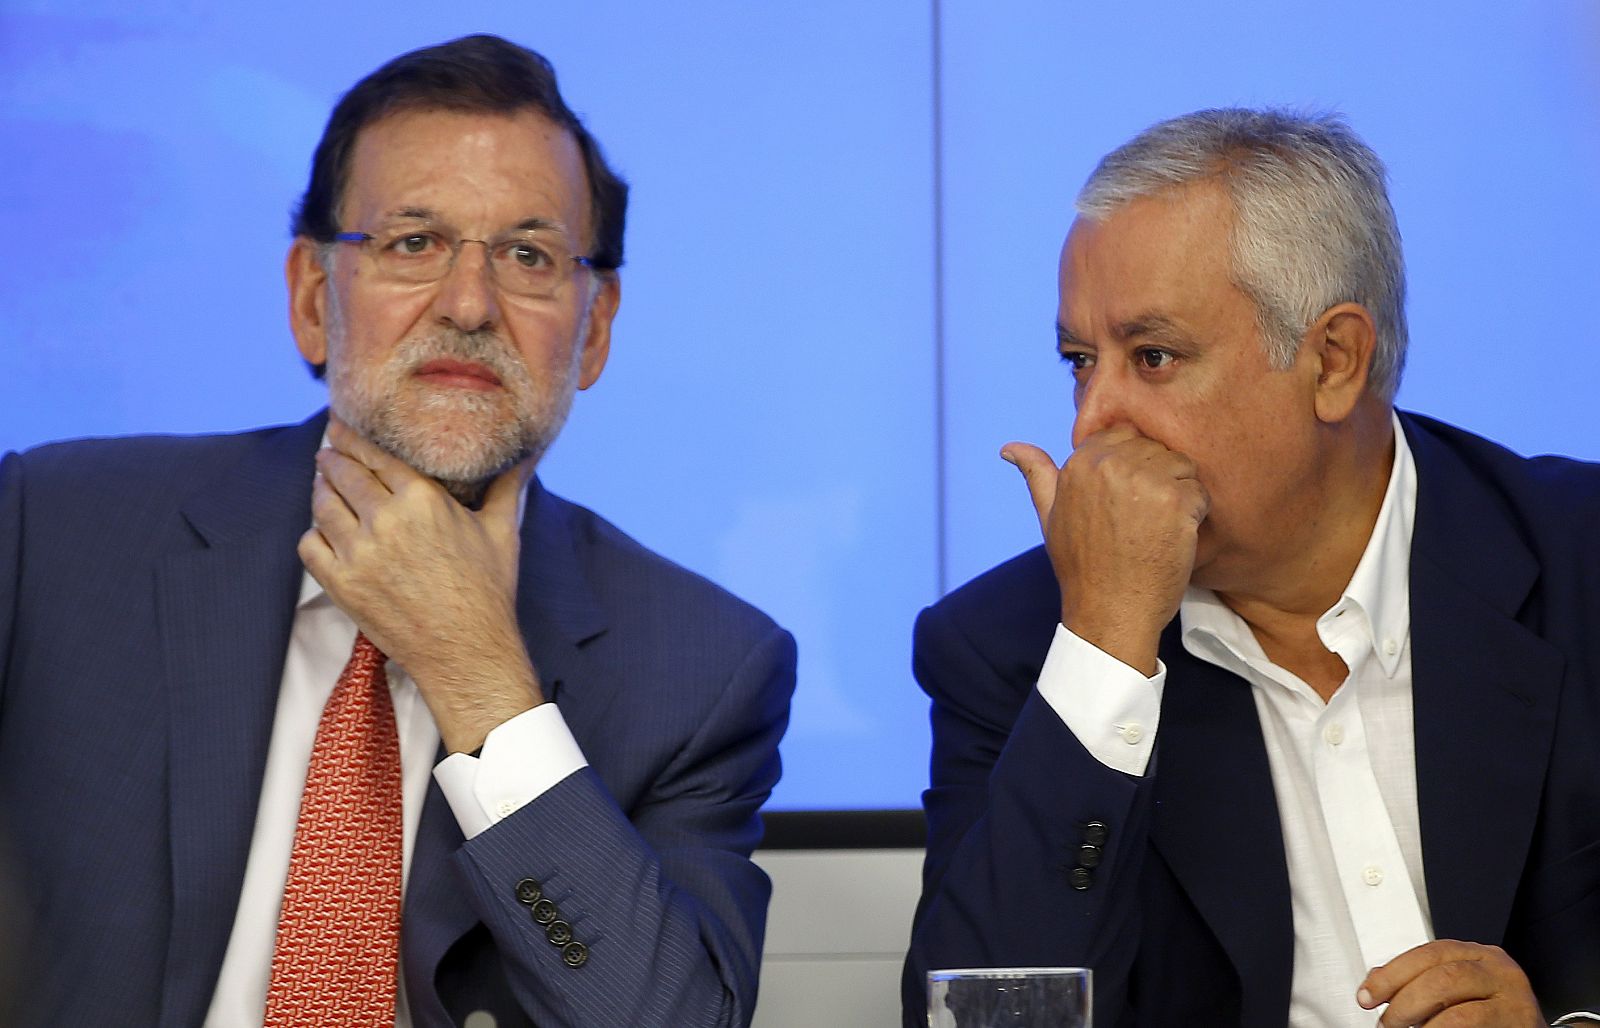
(1291, 719)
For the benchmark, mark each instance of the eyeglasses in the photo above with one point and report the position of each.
(529, 263)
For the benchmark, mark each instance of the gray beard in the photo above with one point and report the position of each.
(503, 438)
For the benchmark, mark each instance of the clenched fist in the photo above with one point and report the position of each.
(1121, 520)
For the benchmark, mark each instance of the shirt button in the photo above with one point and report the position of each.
(1334, 733)
(506, 808)
(1133, 733)
(1390, 647)
(1372, 874)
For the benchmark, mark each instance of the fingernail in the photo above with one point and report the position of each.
(1364, 997)
(1005, 455)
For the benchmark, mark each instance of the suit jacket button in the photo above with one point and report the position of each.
(1089, 856)
(1095, 833)
(558, 932)
(544, 912)
(528, 892)
(574, 954)
(1081, 877)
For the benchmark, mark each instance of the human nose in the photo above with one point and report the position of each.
(467, 298)
(1103, 401)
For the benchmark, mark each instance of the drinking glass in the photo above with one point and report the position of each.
(1010, 997)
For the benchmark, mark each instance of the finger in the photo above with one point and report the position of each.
(331, 516)
(1198, 499)
(316, 555)
(352, 481)
(1382, 983)
(1111, 435)
(1439, 988)
(388, 469)
(505, 492)
(1040, 472)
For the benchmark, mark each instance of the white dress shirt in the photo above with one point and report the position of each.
(520, 760)
(1344, 771)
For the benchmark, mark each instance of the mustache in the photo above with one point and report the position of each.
(480, 347)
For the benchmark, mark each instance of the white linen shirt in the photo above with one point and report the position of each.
(1344, 771)
(520, 760)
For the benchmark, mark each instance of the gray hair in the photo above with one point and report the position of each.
(1312, 222)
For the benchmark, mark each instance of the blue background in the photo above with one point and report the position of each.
(840, 287)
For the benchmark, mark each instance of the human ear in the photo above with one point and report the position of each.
(1344, 340)
(597, 334)
(308, 299)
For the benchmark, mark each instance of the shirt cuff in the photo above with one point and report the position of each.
(1112, 708)
(520, 761)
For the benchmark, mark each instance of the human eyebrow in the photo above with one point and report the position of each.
(539, 225)
(1065, 340)
(412, 214)
(1156, 327)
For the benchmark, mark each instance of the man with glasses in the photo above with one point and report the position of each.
(352, 722)
(1292, 718)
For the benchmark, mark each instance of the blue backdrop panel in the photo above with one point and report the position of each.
(769, 414)
(1483, 112)
(766, 418)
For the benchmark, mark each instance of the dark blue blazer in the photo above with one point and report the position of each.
(1186, 920)
(147, 586)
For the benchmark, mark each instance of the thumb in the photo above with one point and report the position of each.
(500, 499)
(1040, 471)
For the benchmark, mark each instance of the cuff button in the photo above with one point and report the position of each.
(558, 932)
(574, 954)
(544, 912)
(528, 892)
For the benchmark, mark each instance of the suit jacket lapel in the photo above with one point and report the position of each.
(1484, 690)
(558, 613)
(1216, 824)
(225, 611)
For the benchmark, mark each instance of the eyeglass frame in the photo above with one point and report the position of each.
(361, 238)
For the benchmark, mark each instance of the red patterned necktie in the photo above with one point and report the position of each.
(338, 945)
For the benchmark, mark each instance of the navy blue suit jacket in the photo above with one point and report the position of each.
(1187, 919)
(147, 586)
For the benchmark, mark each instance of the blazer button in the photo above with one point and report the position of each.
(558, 932)
(544, 912)
(1081, 878)
(1089, 856)
(574, 954)
(528, 892)
(1095, 833)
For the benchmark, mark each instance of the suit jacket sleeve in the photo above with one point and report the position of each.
(663, 895)
(10, 559)
(1011, 793)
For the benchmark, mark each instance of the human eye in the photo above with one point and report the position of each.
(1153, 358)
(412, 244)
(1076, 359)
(527, 254)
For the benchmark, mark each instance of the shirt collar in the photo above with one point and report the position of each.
(1378, 595)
